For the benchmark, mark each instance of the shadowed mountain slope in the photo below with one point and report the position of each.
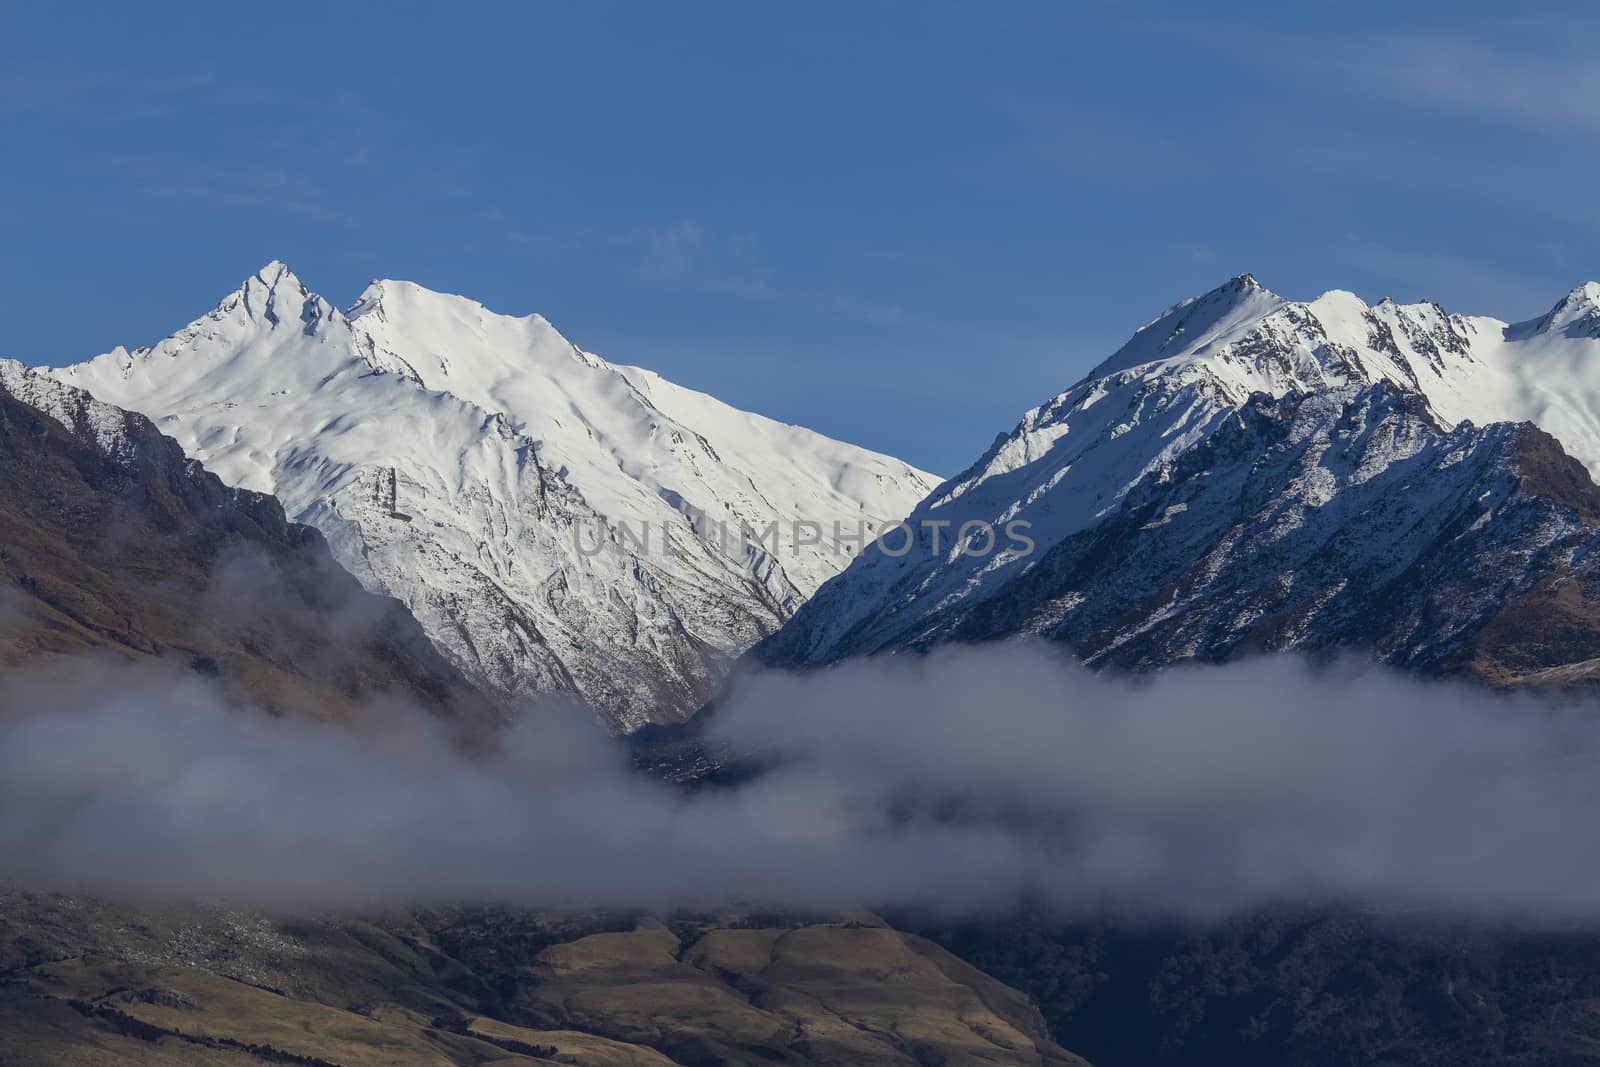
(112, 540)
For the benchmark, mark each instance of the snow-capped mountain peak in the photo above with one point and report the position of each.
(1191, 325)
(1575, 315)
(275, 296)
(555, 521)
(1070, 463)
(454, 342)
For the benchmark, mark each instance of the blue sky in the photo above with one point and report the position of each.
(902, 224)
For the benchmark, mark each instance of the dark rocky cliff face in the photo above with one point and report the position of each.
(1340, 521)
(1323, 526)
(112, 540)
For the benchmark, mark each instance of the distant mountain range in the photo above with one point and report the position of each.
(1246, 473)
(555, 522)
(1249, 474)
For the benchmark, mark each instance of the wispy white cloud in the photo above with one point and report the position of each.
(685, 255)
(690, 256)
(1528, 72)
(1393, 104)
(108, 95)
(1553, 83)
(240, 185)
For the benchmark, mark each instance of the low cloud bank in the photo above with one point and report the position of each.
(959, 781)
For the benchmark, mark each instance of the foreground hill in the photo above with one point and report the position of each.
(1299, 989)
(555, 522)
(113, 541)
(83, 981)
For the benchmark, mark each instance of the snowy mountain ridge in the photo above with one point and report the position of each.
(1070, 463)
(505, 485)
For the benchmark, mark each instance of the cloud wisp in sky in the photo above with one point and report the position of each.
(957, 781)
(1557, 88)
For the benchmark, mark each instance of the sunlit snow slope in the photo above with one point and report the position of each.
(556, 522)
(1070, 464)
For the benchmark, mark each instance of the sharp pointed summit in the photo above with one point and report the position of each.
(274, 294)
(1190, 324)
